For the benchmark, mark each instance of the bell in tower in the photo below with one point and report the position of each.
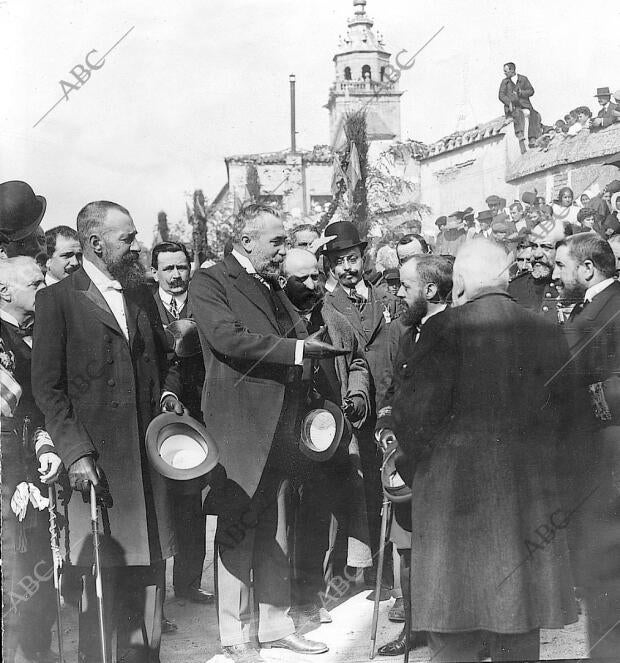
(361, 82)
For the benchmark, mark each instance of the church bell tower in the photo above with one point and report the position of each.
(364, 79)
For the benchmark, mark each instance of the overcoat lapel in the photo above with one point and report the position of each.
(95, 302)
(339, 300)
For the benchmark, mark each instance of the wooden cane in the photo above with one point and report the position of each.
(385, 515)
(97, 571)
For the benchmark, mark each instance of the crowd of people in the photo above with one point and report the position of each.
(483, 362)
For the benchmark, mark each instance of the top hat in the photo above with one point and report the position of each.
(183, 339)
(323, 431)
(179, 447)
(602, 92)
(20, 210)
(395, 486)
(345, 235)
(485, 215)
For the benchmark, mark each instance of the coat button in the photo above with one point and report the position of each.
(106, 338)
(111, 383)
(114, 404)
(147, 358)
(365, 330)
(110, 360)
(404, 366)
(547, 294)
(545, 308)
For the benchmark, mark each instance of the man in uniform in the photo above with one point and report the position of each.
(170, 266)
(367, 308)
(536, 290)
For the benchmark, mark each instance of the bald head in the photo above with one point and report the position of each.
(479, 264)
(300, 276)
(298, 261)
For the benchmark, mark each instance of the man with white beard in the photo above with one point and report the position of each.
(536, 290)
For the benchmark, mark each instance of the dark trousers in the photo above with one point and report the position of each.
(190, 527)
(132, 605)
(28, 602)
(465, 647)
(534, 128)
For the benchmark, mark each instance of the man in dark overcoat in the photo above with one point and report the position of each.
(99, 367)
(254, 347)
(480, 427)
(170, 266)
(515, 92)
(585, 270)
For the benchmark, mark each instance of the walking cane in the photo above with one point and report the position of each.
(97, 571)
(385, 516)
(57, 563)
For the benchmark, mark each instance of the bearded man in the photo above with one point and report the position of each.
(536, 290)
(98, 371)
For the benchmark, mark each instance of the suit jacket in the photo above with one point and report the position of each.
(98, 393)
(248, 365)
(608, 114)
(192, 369)
(370, 326)
(516, 96)
(476, 410)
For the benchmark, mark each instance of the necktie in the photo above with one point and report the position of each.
(577, 309)
(174, 309)
(262, 280)
(357, 299)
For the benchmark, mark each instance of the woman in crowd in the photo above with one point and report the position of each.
(563, 207)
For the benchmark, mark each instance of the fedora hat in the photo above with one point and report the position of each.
(395, 487)
(183, 337)
(485, 215)
(529, 198)
(179, 447)
(345, 236)
(603, 92)
(20, 210)
(323, 431)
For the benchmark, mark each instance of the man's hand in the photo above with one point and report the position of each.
(49, 467)
(315, 348)
(385, 437)
(170, 403)
(597, 122)
(84, 472)
(354, 408)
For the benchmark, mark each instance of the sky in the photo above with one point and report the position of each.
(193, 81)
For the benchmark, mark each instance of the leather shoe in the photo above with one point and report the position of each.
(168, 627)
(397, 647)
(243, 653)
(195, 595)
(298, 644)
(397, 611)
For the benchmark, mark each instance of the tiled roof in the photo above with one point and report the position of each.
(564, 149)
(464, 138)
(318, 154)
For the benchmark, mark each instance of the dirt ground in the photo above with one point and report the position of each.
(348, 636)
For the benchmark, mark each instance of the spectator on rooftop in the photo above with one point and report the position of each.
(584, 120)
(609, 112)
(515, 91)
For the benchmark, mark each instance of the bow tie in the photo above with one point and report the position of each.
(24, 330)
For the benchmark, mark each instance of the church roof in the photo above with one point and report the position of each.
(565, 149)
(464, 138)
(318, 154)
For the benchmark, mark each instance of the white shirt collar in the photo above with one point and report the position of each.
(439, 309)
(244, 261)
(50, 279)
(166, 298)
(514, 79)
(7, 317)
(101, 280)
(360, 287)
(594, 290)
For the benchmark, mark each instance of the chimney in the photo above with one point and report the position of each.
(293, 144)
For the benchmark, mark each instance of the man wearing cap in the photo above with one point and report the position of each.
(515, 91)
(536, 290)
(28, 592)
(99, 372)
(367, 308)
(170, 267)
(64, 253)
(330, 524)
(255, 347)
(452, 236)
(609, 112)
(485, 218)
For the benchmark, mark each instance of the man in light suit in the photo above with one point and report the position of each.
(254, 346)
(515, 91)
(170, 266)
(100, 375)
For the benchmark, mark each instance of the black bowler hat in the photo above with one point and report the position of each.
(20, 210)
(323, 431)
(179, 447)
(395, 487)
(441, 221)
(345, 235)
